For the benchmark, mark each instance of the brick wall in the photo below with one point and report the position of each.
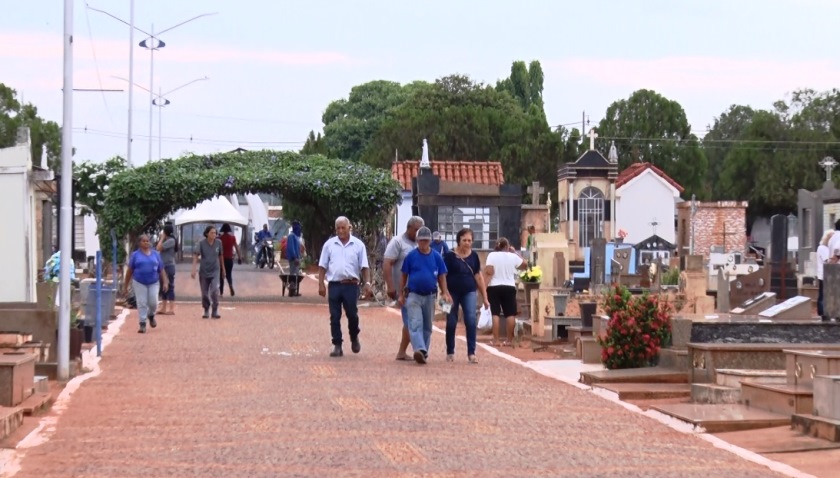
(714, 223)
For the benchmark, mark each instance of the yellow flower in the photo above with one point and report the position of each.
(533, 274)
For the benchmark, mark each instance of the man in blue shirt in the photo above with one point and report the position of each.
(438, 244)
(263, 235)
(422, 271)
(294, 253)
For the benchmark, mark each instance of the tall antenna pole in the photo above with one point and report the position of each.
(153, 45)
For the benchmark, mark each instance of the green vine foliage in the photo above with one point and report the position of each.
(139, 198)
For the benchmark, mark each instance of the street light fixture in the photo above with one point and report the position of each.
(151, 43)
(160, 101)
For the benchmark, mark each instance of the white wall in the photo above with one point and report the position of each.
(641, 200)
(403, 213)
(18, 217)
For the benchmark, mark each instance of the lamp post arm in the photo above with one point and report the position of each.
(116, 18)
(184, 85)
(186, 21)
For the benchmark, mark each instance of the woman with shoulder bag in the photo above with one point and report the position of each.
(464, 281)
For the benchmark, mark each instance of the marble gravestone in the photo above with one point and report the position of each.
(795, 308)
(745, 287)
(722, 293)
(756, 305)
(831, 276)
(597, 261)
(782, 275)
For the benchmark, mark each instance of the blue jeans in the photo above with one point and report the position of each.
(467, 303)
(420, 309)
(346, 295)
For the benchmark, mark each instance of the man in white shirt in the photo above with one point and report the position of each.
(344, 265)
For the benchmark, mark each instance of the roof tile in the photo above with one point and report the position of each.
(476, 172)
(636, 169)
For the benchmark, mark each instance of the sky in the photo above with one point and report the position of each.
(274, 66)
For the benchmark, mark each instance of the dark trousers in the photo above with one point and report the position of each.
(170, 292)
(820, 298)
(228, 276)
(347, 296)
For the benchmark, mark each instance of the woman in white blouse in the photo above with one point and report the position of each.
(501, 271)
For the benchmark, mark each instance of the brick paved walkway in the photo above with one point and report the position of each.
(255, 395)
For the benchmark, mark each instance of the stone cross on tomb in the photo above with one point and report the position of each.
(653, 224)
(828, 163)
(592, 135)
(536, 191)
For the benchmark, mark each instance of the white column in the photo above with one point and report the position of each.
(613, 220)
(66, 212)
(571, 211)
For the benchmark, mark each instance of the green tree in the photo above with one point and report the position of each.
(91, 182)
(45, 135)
(728, 129)
(351, 124)
(525, 84)
(315, 145)
(658, 129)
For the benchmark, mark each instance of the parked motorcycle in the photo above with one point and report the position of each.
(266, 254)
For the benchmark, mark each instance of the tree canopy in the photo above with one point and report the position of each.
(649, 127)
(45, 135)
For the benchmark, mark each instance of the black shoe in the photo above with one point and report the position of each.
(206, 314)
(142, 329)
(420, 356)
(221, 293)
(216, 315)
(355, 346)
(232, 292)
(337, 352)
(152, 321)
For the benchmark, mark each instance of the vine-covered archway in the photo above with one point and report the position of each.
(139, 198)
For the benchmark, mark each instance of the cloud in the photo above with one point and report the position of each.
(701, 73)
(36, 46)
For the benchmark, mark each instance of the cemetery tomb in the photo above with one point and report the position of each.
(795, 308)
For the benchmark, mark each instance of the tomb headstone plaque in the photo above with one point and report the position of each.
(745, 287)
(559, 269)
(597, 260)
(722, 292)
(756, 305)
(622, 257)
(795, 308)
(831, 302)
(782, 276)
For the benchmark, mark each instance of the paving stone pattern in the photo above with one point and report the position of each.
(256, 395)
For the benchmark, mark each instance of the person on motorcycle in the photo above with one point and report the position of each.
(263, 235)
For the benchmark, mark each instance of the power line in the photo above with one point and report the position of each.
(745, 141)
(184, 139)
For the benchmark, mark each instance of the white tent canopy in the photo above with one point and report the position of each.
(216, 210)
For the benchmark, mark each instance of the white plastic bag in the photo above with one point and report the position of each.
(485, 319)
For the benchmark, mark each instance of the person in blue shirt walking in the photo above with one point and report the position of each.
(294, 253)
(148, 278)
(422, 271)
(438, 244)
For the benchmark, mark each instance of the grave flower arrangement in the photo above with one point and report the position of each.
(639, 326)
(532, 274)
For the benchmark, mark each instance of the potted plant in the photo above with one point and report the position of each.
(531, 279)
